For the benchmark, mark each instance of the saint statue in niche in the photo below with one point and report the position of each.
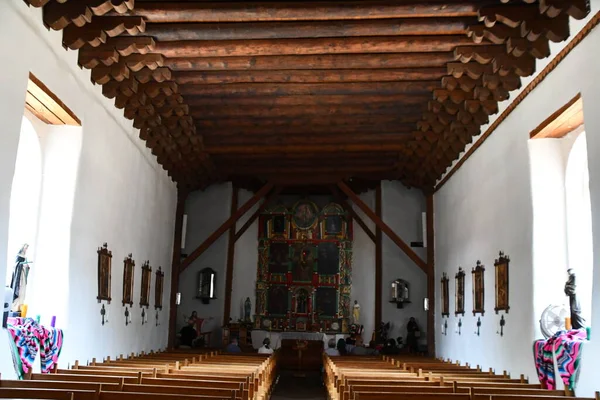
(577, 320)
(356, 312)
(19, 279)
(301, 301)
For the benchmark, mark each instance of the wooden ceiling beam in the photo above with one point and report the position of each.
(384, 138)
(187, 12)
(277, 170)
(311, 62)
(298, 130)
(280, 47)
(308, 76)
(312, 29)
(59, 14)
(316, 89)
(304, 157)
(384, 227)
(306, 111)
(324, 100)
(310, 148)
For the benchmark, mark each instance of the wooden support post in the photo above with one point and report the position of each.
(384, 227)
(522, 378)
(175, 267)
(94, 361)
(76, 365)
(378, 257)
(491, 371)
(430, 275)
(226, 225)
(230, 257)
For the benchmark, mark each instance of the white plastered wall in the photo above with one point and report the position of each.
(487, 206)
(121, 196)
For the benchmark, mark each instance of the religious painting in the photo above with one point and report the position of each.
(333, 224)
(501, 267)
(104, 273)
(329, 258)
(301, 301)
(459, 296)
(128, 273)
(326, 302)
(305, 214)
(158, 289)
(445, 296)
(278, 257)
(279, 224)
(145, 289)
(478, 290)
(303, 263)
(277, 303)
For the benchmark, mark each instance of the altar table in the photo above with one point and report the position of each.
(276, 337)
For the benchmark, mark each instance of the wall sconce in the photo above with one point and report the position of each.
(207, 279)
(399, 294)
(178, 299)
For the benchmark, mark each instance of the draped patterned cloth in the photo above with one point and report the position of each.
(27, 338)
(567, 346)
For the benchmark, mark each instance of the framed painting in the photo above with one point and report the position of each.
(128, 273)
(459, 295)
(279, 257)
(501, 269)
(445, 296)
(478, 288)
(145, 289)
(303, 262)
(158, 289)
(278, 300)
(329, 258)
(104, 273)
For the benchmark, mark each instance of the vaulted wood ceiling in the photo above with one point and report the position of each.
(311, 92)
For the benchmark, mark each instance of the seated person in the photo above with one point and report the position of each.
(390, 348)
(341, 347)
(331, 350)
(266, 349)
(233, 347)
(360, 350)
(349, 344)
(188, 334)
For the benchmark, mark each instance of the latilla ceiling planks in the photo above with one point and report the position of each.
(309, 92)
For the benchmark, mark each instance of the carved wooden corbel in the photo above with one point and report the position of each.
(504, 64)
(555, 29)
(463, 83)
(511, 16)
(103, 74)
(99, 29)
(480, 54)
(447, 106)
(146, 75)
(58, 15)
(578, 9)
(472, 69)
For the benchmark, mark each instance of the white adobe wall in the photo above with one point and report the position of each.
(122, 196)
(487, 206)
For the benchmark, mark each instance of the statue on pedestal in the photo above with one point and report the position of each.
(247, 309)
(19, 279)
(356, 312)
(577, 320)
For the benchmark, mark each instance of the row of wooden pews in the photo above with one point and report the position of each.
(155, 376)
(391, 378)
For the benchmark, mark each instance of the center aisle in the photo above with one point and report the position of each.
(292, 387)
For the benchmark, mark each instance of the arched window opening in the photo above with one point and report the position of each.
(579, 222)
(24, 212)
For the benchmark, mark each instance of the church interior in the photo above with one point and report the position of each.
(247, 200)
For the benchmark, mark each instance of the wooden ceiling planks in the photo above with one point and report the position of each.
(309, 91)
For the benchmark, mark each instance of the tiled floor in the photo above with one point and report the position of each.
(294, 387)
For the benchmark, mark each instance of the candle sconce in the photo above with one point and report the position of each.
(459, 326)
(157, 324)
(144, 316)
(445, 328)
(127, 315)
(478, 326)
(502, 323)
(104, 315)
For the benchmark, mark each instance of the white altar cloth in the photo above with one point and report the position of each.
(258, 336)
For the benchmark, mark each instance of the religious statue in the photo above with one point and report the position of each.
(247, 309)
(570, 290)
(19, 279)
(356, 312)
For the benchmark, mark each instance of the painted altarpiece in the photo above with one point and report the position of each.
(304, 272)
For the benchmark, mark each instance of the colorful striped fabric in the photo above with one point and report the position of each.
(27, 338)
(567, 347)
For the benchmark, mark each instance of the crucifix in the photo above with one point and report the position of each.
(103, 313)
(459, 325)
(502, 323)
(478, 325)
